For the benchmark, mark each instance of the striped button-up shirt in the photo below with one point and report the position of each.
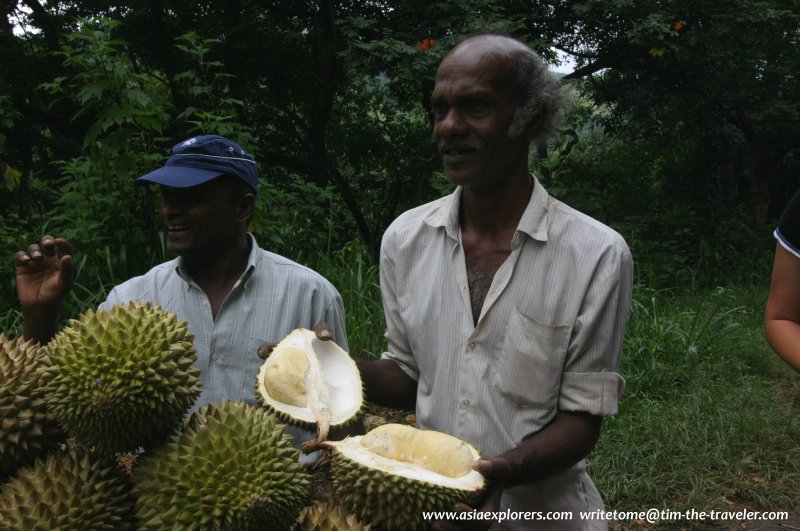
(548, 337)
(273, 297)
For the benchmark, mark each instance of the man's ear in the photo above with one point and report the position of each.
(246, 207)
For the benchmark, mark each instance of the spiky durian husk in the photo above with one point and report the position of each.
(310, 426)
(120, 379)
(304, 337)
(325, 516)
(387, 501)
(68, 490)
(231, 468)
(27, 429)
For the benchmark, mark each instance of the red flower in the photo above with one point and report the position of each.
(678, 26)
(425, 44)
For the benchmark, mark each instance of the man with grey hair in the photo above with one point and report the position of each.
(505, 308)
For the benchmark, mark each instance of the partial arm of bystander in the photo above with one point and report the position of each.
(782, 315)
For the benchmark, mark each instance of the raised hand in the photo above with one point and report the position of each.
(44, 278)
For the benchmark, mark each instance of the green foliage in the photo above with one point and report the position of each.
(296, 219)
(706, 419)
(93, 208)
(675, 238)
(123, 105)
(666, 340)
(697, 107)
(356, 277)
(210, 108)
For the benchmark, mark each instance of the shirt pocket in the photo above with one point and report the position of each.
(529, 368)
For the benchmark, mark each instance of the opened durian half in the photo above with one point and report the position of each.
(310, 383)
(394, 473)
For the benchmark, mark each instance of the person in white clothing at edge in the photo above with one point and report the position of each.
(235, 296)
(505, 308)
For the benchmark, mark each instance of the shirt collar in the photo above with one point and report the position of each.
(533, 221)
(252, 259)
(446, 214)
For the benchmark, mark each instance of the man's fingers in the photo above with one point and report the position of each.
(68, 278)
(323, 331)
(62, 245)
(21, 258)
(35, 251)
(462, 508)
(51, 246)
(48, 245)
(265, 349)
(492, 467)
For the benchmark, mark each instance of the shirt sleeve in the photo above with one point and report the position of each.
(788, 231)
(590, 381)
(120, 294)
(399, 350)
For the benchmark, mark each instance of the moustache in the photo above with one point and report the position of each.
(458, 147)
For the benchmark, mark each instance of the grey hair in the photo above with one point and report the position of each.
(541, 99)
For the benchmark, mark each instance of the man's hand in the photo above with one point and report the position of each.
(44, 278)
(322, 330)
(568, 438)
(44, 273)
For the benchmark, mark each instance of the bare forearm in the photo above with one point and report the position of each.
(387, 385)
(564, 442)
(39, 325)
(783, 336)
(782, 314)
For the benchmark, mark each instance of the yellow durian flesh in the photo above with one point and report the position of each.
(432, 450)
(310, 383)
(286, 376)
(392, 491)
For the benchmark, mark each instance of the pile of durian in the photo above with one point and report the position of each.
(95, 434)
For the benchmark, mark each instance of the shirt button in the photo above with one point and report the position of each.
(472, 346)
(465, 402)
(204, 303)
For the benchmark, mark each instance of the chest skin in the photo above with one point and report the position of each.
(484, 256)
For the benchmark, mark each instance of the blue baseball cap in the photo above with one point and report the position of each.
(201, 158)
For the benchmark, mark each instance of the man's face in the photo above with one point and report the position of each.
(474, 101)
(201, 219)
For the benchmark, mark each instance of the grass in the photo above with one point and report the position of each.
(710, 418)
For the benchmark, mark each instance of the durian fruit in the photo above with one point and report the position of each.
(389, 476)
(326, 515)
(310, 383)
(27, 429)
(68, 490)
(230, 469)
(122, 379)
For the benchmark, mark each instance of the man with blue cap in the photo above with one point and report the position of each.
(234, 295)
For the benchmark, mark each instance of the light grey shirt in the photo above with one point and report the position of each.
(548, 337)
(273, 297)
